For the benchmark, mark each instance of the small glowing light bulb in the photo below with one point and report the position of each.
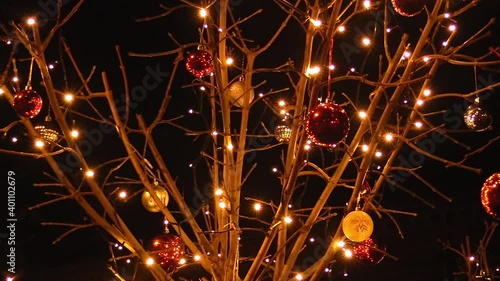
(362, 114)
(214, 133)
(418, 124)
(222, 205)
(287, 220)
(10, 279)
(275, 170)
(182, 261)
(331, 67)
(229, 61)
(341, 28)
(283, 112)
(311, 240)
(230, 146)
(261, 94)
(388, 30)
(68, 97)
(197, 257)
(389, 137)
(307, 147)
(348, 253)
(281, 103)
(31, 21)
(341, 244)
(364, 147)
(202, 88)
(407, 54)
(472, 258)
(367, 4)
(128, 260)
(316, 23)
(123, 194)
(190, 111)
(353, 69)
(150, 261)
(452, 27)
(299, 277)
(1, 91)
(447, 15)
(313, 70)
(427, 92)
(366, 41)
(426, 59)
(203, 13)
(89, 173)
(445, 43)
(14, 139)
(39, 143)
(15, 79)
(219, 192)
(257, 206)
(378, 154)
(74, 133)
(51, 66)
(420, 102)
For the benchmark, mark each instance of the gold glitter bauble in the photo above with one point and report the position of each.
(149, 203)
(237, 93)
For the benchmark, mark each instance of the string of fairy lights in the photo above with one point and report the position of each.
(48, 135)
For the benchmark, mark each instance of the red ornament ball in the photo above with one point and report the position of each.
(200, 63)
(327, 124)
(27, 103)
(169, 251)
(490, 196)
(408, 8)
(366, 252)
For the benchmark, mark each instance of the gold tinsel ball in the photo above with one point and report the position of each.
(476, 118)
(283, 131)
(237, 93)
(47, 133)
(148, 202)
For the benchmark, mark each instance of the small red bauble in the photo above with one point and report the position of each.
(27, 103)
(200, 63)
(327, 124)
(367, 252)
(490, 196)
(408, 8)
(169, 251)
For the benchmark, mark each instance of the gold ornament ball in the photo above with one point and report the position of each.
(48, 134)
(237, 93)
(357, 226)
(283, 131)
(148, 202)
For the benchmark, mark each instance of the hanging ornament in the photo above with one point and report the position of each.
(327, 124)
(408, 8)
(168, 251)
(149, 203)
(27, 103)
(47, 131)
(367, 252)
(200, 63)
(283, 130)
(237, 93)
(476, 118)
(357, 226)
(490, 196)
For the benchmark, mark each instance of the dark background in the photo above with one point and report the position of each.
(99, 26)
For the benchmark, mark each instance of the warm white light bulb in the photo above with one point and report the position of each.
(299, 277)
(420, 102)
(68, 97)
(89, 173)
(313, 70)
(39, 143)
(150, 261)
(203, 13)
(1, 91)
(230, 146)
(366, 41)
(74, 133)
(31, 21)
(219, 192)
(362, 114)
(348, 253)
(378, 154)
(341, 244)
(427, 92)
(316, 23)
(182, 261)
(229, 61)
(123, 194)
(197, 257)
(389, 137)
(418, 124)
(367, 4)
(281, 103)
(257, 206)
(287, 220)
(364, 147)
(222, 205)
(452, 27)
(426, 59)
(341, 28)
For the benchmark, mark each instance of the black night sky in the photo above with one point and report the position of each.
(99, 26)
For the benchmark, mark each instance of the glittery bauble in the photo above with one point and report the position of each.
(200, 63)
(477, 118)
(149, 203)
(327, 124)
(237, 93)
(27, 103)
(490, 196)
(283, 131)
(366, 252)
(357, 226)
(167, 250)
(408, 8)
(47, 132)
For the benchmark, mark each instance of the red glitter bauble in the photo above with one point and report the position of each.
(490, 196)
(200, 63)
(408, 8)
(27, 103)
(169, 251)
(327, 124)
(366, 252)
